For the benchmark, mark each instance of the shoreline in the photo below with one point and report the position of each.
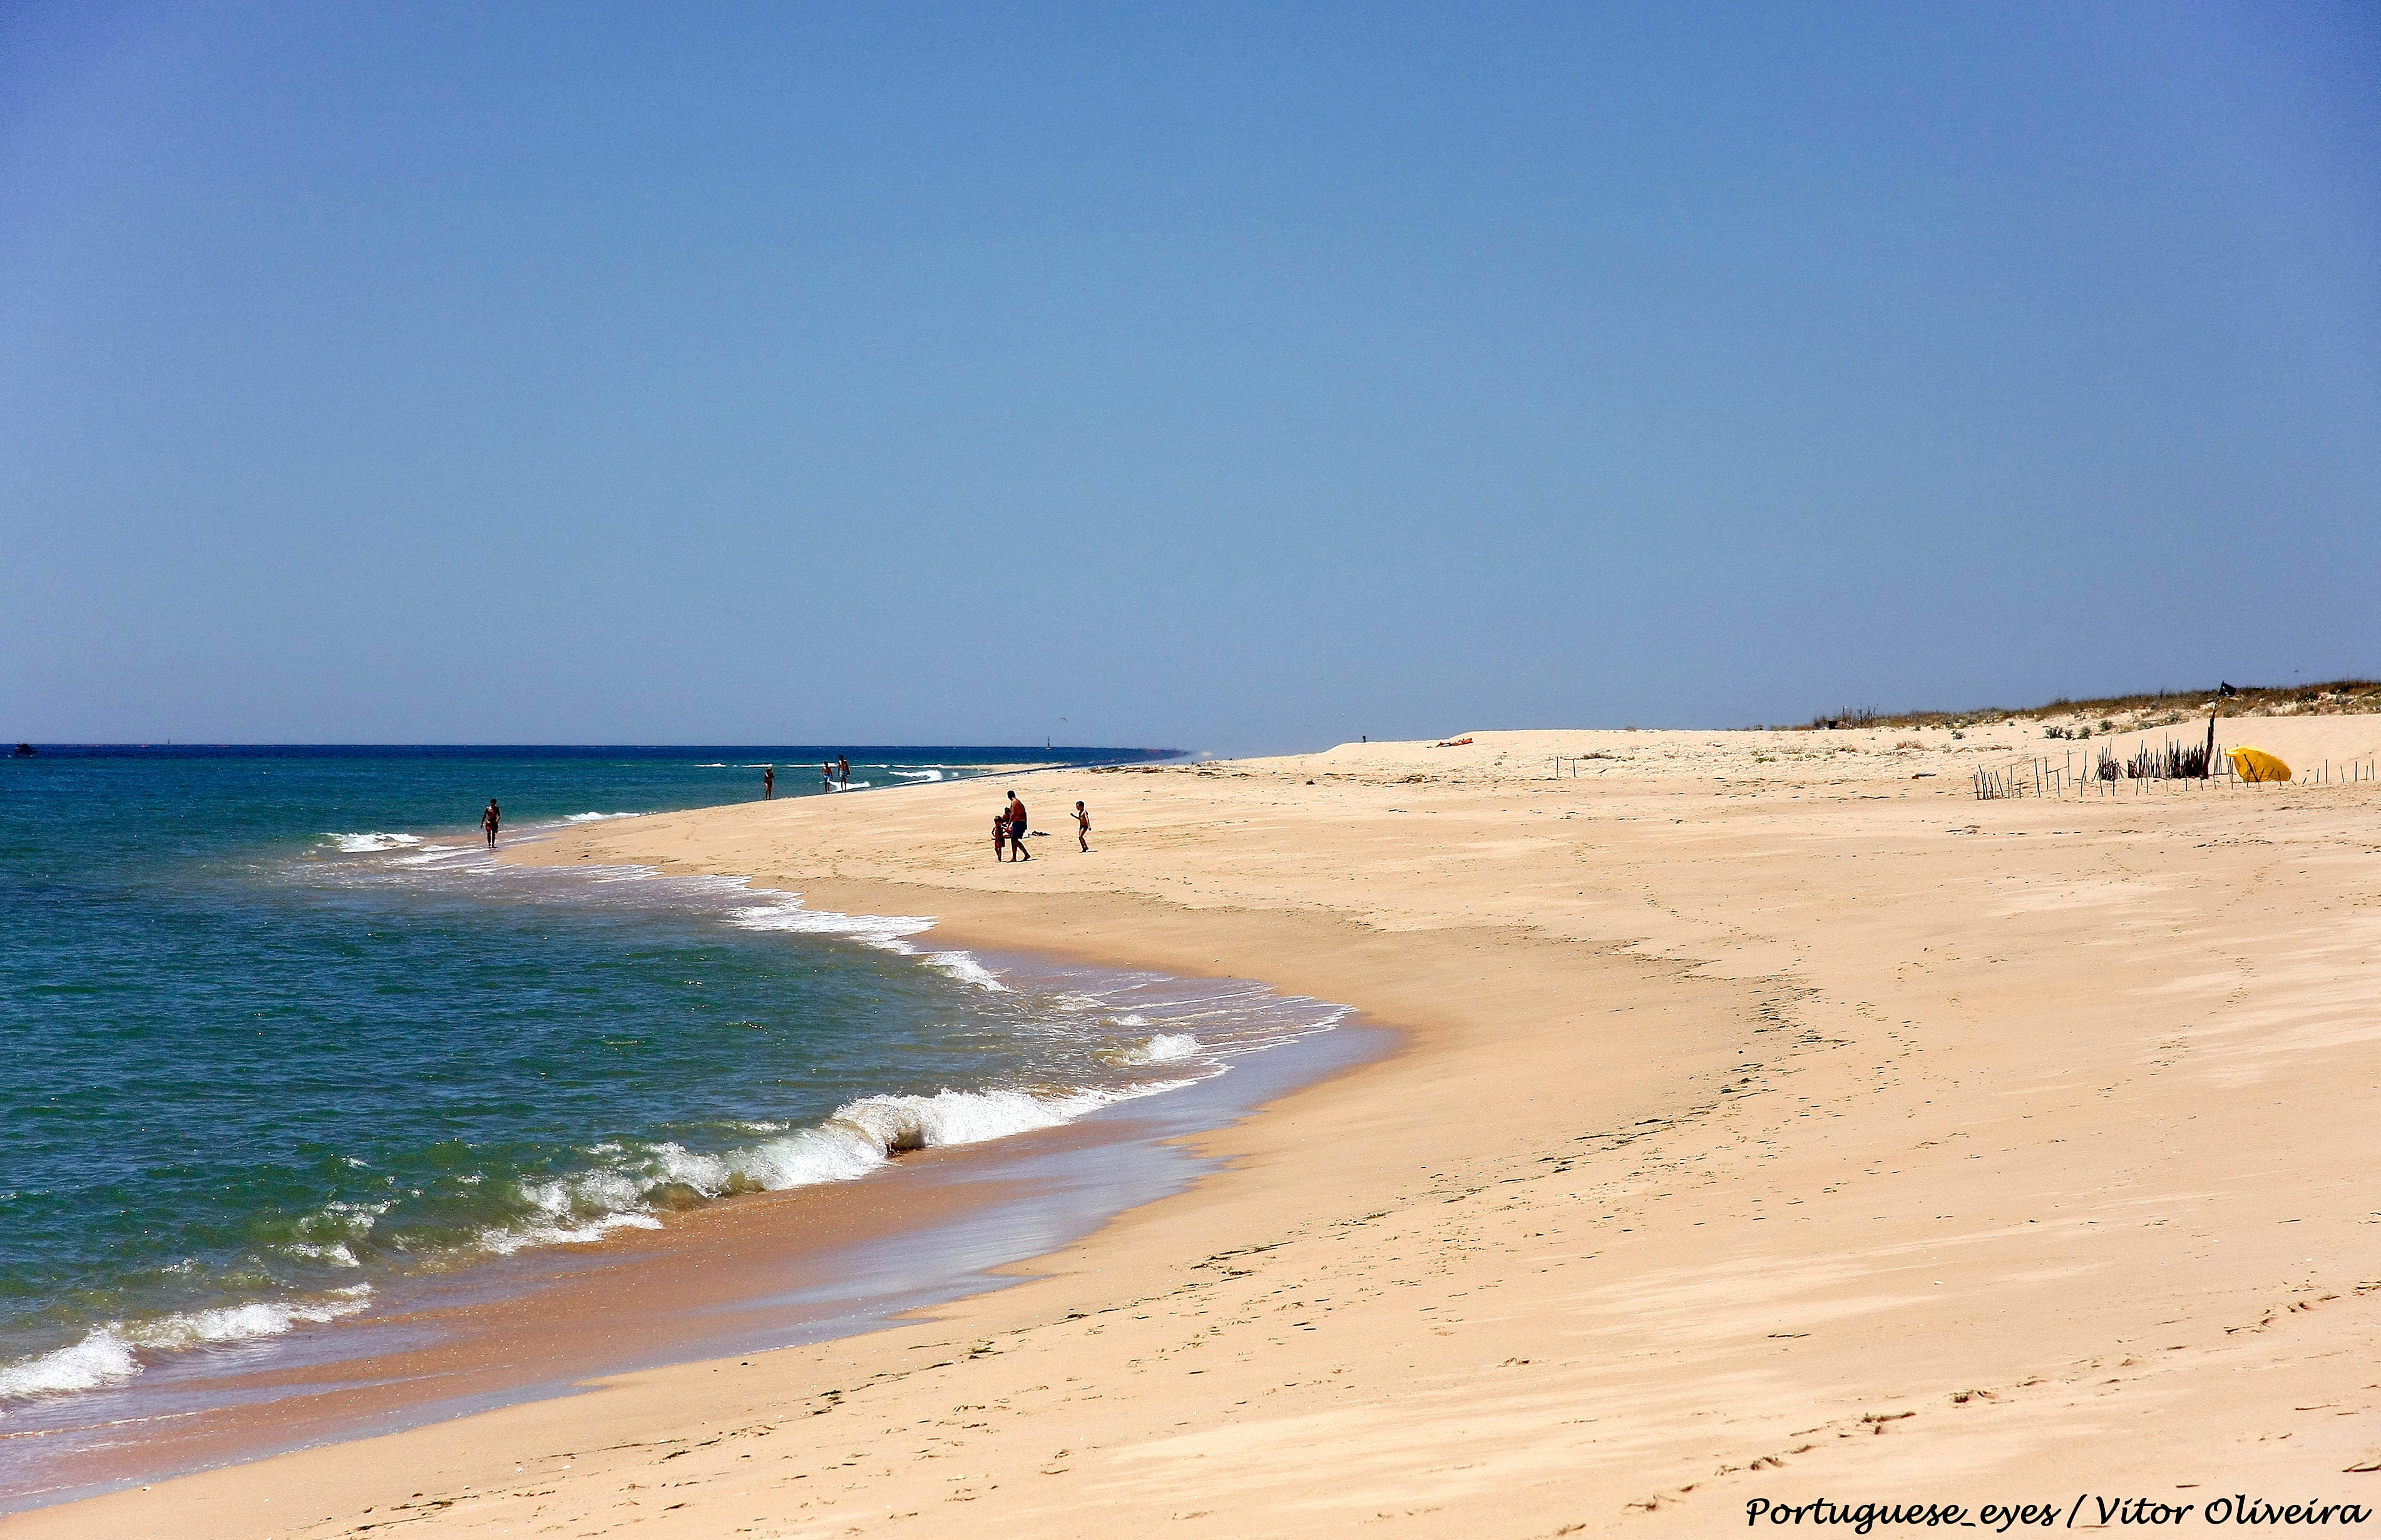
(742, 1273)
(1777, 1128)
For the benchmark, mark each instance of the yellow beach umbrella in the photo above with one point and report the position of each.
(2256, 764)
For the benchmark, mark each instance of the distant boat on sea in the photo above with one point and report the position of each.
(26, 751)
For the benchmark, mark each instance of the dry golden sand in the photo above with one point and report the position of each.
(1769, 1123)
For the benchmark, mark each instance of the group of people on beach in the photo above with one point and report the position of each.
(1008, 830)
(834, 775)
(1007, 826)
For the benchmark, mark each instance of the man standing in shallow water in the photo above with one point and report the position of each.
(490, 819)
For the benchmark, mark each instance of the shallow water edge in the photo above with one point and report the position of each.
(740, 1275)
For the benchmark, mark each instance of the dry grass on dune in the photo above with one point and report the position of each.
(2125, 713)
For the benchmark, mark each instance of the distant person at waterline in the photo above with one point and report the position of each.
(1082, 829)
(490, 819)
(842, 770)
(1017, 851)
(768, 782)
(826, 775)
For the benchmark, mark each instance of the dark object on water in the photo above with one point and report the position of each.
(26, 751)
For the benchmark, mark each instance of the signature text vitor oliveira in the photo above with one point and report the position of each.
(2086, 1510)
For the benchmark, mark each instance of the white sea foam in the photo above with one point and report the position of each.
(328, 1233)
(961, 966)
(864, 1135)
(110, 1354)
(887, 932)
(861, 1137)
(337, 1252)
(878, 930)
(101, 1358)
(1163, 1049)
(241, 1323)
(356, 844)
(574, 1211)
(428, 855)
(920, 775)
(592, 818)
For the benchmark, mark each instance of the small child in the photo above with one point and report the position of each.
(1082, 827)
(1000, 833)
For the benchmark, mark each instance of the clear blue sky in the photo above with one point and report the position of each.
(1221, 377)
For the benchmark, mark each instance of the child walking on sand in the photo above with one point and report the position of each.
(1082, 827)
(1000, 832)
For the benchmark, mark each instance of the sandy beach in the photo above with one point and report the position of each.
(1770, 1121)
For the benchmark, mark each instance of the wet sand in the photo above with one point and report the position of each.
(1774, 1122)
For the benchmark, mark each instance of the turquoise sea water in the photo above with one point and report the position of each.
(277, 1033)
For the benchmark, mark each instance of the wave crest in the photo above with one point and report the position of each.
(1164, 1047)
(860, 1137)
(356, 844)
(110, 1354)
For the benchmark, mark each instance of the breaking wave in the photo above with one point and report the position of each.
(356, 844)
(860, 1137)
(886, 932)
(112, 1353)
(1165, 1048)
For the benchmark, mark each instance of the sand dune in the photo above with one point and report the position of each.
(1775, 1122)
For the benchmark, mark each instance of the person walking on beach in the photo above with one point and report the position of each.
(768, 782)
(1082, 829)
(1000, 833)
(1017, 851)
(843, 769)
(490, 819)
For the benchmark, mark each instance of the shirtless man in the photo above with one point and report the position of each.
(842, 770)
(1017, 851)
(768, 782)
(490, 819)
(1082, 827)
(827, 776)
